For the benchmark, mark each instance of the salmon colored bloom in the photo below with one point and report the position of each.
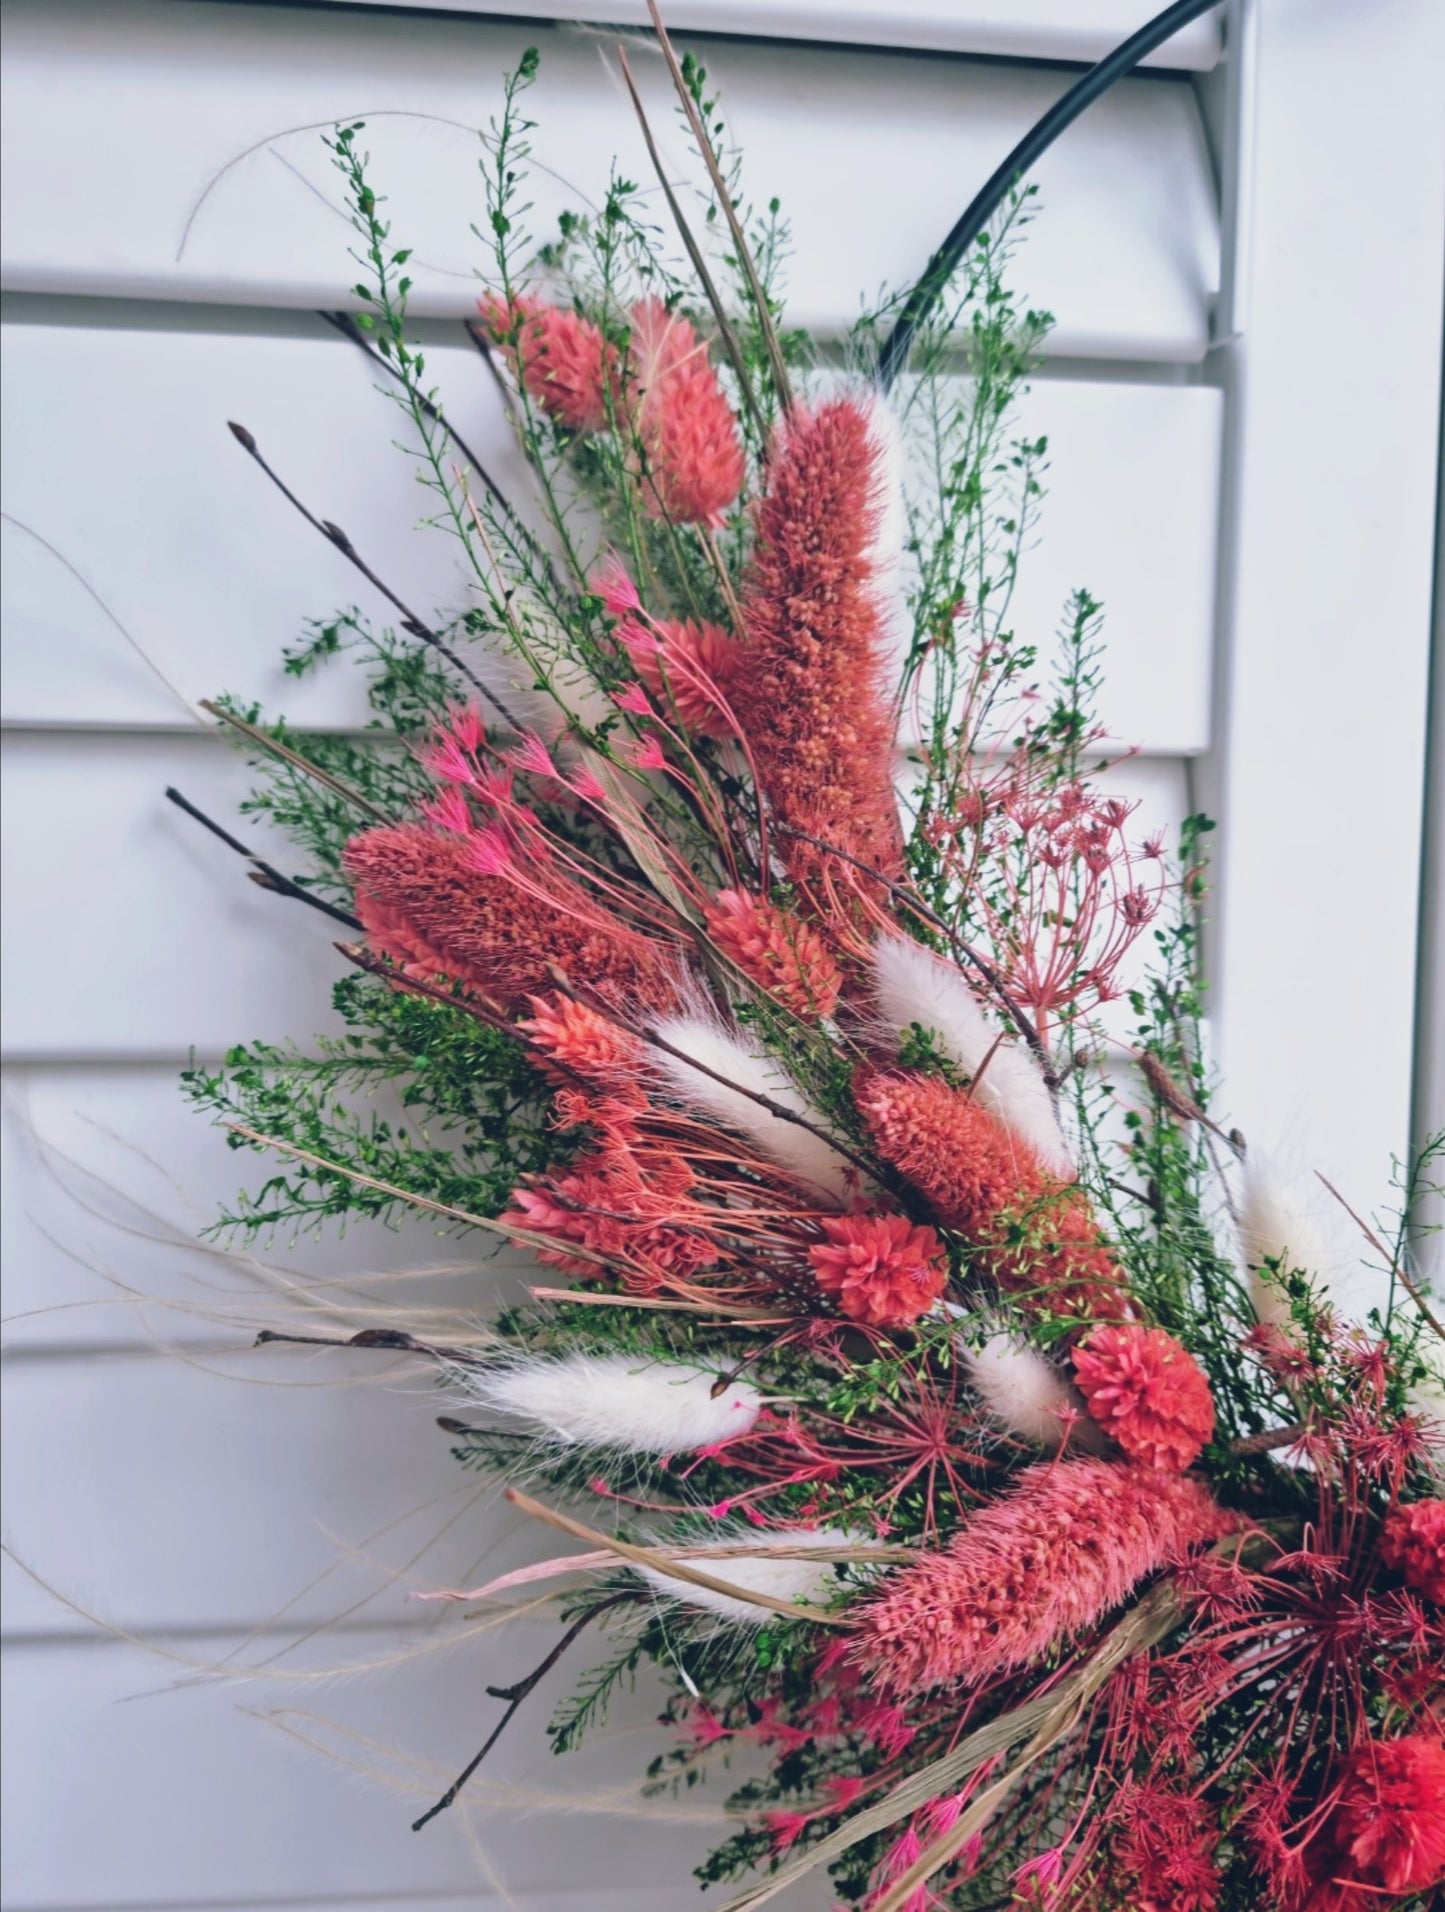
(880, 1268)
(562, 359)
(1148, 1393)
(811, 693)
(782, 954)
(1390, 1818)
(422, 894)
(689, 667)
(1032, 1234)
(622, 1208)
(693, 456)
(1045, 1561)
(586, 1044)
(1413, 1543)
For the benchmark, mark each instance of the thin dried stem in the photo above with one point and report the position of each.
(264, 874)
(266, 741)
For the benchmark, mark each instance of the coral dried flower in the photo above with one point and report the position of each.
(586, 1044)
(880, 1268)
(688, 666)
(811, 694)
(694, 457)
(1413, 1543)
(562, 359)
(1148, 1392)
(782, 953)
(1390, 1817)
(1044, 1561)
(1031, 1233)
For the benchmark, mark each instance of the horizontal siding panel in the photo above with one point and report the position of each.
(194, 169)
(1030, 29)
(156, 942)
(118, 1789)
(111, 1177)
(211, 573)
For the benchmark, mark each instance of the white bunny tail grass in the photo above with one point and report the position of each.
(620, 1402)
(890, 531)
(801, 1582)
(915, 986)
(733, 1070)
(1026, 1394)
(1292, 1223)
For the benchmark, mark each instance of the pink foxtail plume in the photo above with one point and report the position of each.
(811, 696)
(1042, 1563)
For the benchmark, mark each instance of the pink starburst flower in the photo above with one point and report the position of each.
(1032, 1234)
(1167, 1844)
(1413, 1543)
(880, 1268)
(500, 933)
(782, 954)
(1146, 1391)
(1043, 1562)
(689, 667)
(1390, 1817)
(694, 457)
(811, 693)
(563, 360)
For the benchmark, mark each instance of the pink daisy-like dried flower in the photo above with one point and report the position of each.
(880, 1268)
(810, 694)
(783, 954)
(562, 359)
(1413, 1543)
(1045, 1561)
(1390, 1817)
(1034, 1236)
(687, 666)
(694, 457)
(1148, 1392)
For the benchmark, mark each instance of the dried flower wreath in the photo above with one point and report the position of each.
(968, 1435)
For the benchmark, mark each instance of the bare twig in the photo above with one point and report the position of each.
(264, 873)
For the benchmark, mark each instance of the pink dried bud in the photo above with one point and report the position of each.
(1413, 1543)
(563, 360)
(694, 457)
(1148, 1392)
(689, 667)
(880, 1268)
(782, 954)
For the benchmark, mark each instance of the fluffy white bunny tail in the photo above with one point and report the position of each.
(890, 535)
(1293, 1222)
(735, 1064)
(618, 1401)
(802, 1582)
(914, 985)
(1026, 1394)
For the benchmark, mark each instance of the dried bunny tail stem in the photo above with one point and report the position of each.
(628, 1403)
(735, 1081)
(915, 986)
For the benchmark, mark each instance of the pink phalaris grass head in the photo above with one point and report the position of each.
(1386, 1831)
(424, 889)
(1043, 1562)
(1413, 1543)
(689, 667)
(1034, 1236)
(689, 437)
(782, 953)
(1146, 1391)
(879, 1268)
(811, 695)
(563, 360)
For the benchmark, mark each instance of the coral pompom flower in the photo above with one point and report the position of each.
(1390, 1818)
(563, 360)
(1146, 1391)
(1413, 1543)
(879, 1268)
(694, 458)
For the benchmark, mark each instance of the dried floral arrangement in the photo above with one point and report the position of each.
(953, 1416)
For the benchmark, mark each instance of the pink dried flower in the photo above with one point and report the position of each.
(585, 1043)
(880, 1267)
(1045, 1561)
(1413, 1543)
(811, 696)
(562, 360)
(689, 667)
(1168, 1845)
(1146, 1391)
(782, 954)
(689, 437)
(419, 889)
(615, 588)
(1389, 1821)
(621, 1206)
(1033, 1235)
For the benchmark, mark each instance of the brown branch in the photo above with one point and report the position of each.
(1271, 1437)
(264, 873)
